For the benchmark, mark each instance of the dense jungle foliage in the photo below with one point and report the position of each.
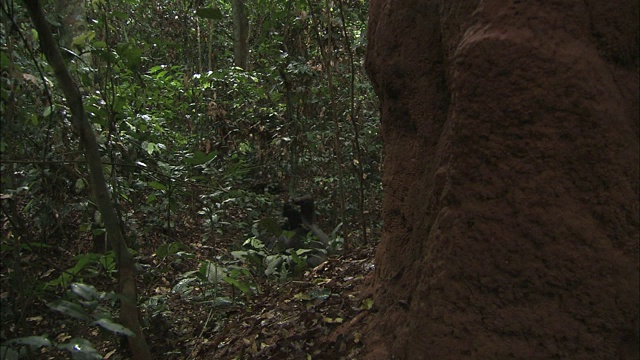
(200, 150)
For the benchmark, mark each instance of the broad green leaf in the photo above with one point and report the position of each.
(84, 38)
(184, 286)
(87, 292)
(32, 341)
(156, 185)
(253, 243)
(239, 254)
(113, 327)
(239, 285)
(304, 251)
(149, 147)
(83, 261)
(155, 69)
(70, 309)
(273, 263)
(108, 261)
(80, 185)
(80, 349)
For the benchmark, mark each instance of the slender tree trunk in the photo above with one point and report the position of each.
(199, 40)
(240, 34)
(125, 261)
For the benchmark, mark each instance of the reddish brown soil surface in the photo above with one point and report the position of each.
(511, 180)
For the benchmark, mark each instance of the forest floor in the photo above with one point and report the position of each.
(305, 316)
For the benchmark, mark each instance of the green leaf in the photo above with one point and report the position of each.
(70, 309)
(239, 254)
(80, 349)
(84, 260)
(80, 185)
(156, 185)
(300, 252)
(33, 341)
(149, 147)
(184, 286)
(47, 111)
(209, 13)
(113, 327)
(239, 285)
(366, 304)
(85, 291)
(62, 280)
(273, 263)
(84, 38)
(108, 261)
(155, 69)
(253, 243)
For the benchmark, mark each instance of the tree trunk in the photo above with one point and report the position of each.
(125, 261)
(240, 34)
(511, 210)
